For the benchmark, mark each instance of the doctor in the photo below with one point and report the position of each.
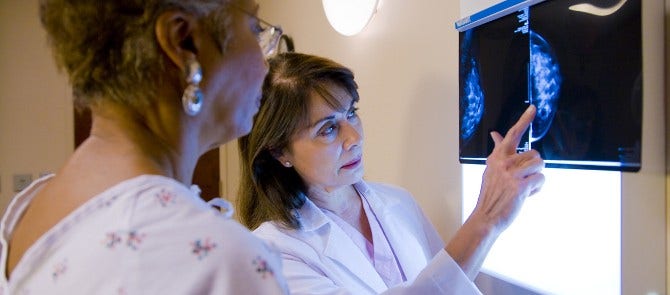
(302, 189)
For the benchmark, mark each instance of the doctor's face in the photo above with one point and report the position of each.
(327, 153)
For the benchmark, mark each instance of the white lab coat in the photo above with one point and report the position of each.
(321, 259)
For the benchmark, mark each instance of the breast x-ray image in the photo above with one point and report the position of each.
(578, 62)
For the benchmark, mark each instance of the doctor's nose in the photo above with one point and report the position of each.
(353, 136)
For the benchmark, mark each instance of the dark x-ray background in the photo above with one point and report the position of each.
(594, 115)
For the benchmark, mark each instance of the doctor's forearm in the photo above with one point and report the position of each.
(471, 244)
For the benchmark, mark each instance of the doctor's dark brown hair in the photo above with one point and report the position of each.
(269, 191)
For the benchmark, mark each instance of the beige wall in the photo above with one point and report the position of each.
(35, 111)
(643, 195)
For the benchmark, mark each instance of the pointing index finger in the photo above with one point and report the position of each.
(513, 136)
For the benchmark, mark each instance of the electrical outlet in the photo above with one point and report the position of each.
(22, 181)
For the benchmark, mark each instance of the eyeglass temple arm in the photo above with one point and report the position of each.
(288, 41)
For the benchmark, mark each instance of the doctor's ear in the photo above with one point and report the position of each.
(279, 156)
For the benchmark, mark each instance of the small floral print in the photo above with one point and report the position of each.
(59, 270)
(112, 240)
(133, 239)
(262, 267)
(165, 198)
(202, 248)
(106, 203)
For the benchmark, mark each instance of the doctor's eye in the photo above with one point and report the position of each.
(328, 129)
(352, 114)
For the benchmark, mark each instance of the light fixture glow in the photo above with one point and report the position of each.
(595, 10)
(349, 17)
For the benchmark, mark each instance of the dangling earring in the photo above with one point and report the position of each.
(192, 98)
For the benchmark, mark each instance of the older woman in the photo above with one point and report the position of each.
(302, 190)
(166, 81)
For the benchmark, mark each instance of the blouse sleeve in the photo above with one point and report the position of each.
(257, 270)
(195, 250)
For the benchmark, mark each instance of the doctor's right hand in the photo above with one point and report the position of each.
(509, 178)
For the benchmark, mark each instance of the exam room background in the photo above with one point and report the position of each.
(406, 65)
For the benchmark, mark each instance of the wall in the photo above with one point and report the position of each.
(36, 133)
(643, 195)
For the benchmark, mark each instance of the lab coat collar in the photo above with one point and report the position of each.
(311, 216)
(338, 246)
(394, 216)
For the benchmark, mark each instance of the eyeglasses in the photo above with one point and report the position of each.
(268, 35)
(268, 38)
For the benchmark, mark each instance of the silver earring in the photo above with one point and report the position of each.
(287, 164)
(192, 98)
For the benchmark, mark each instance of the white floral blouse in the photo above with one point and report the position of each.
(146, 235)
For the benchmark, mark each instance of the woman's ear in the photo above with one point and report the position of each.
(175, 33)
(280, 156)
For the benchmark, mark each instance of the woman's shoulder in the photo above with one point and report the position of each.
(286, 239)
(385, 192)
(271, 230)
(154, 194)
(384, 187)
(168, 210)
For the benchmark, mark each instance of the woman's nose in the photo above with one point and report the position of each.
(353, 136)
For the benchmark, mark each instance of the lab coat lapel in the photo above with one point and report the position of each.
(401, 233)
(341, 249)
(344, 252)
(408, 250)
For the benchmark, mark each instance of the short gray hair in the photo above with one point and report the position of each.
(108, 48)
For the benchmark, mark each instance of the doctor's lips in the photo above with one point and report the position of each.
(352, 164)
